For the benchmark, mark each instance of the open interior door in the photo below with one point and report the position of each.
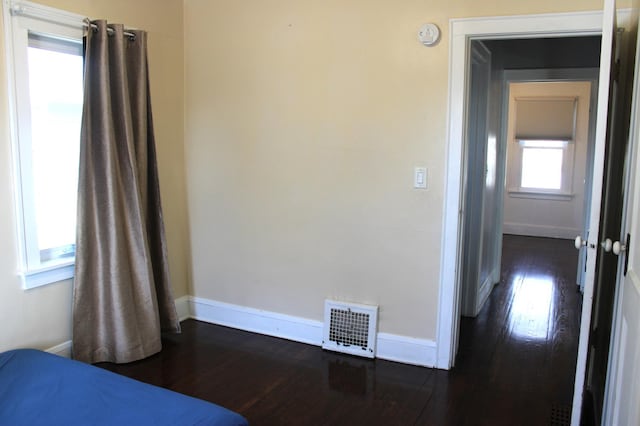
(607, 199)
(622, 387)
(477, 135)
(606, 92)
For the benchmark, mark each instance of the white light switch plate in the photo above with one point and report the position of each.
(420, 178)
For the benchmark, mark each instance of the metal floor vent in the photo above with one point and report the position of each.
(560, 415)
(350, 328)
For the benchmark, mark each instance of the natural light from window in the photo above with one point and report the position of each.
(55, 83)
(531, 312)
(542, 164)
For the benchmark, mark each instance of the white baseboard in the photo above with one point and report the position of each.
(485, 291)
(257, 321)
(391, 347)
(407, 350)
(182, 308)
(540, 231)
(63, 349)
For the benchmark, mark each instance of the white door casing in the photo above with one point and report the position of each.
(461, 33)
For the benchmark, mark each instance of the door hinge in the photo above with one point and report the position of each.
(616, 71)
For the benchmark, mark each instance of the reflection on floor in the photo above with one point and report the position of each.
(522, 348)
(533, 304)
(515, 363)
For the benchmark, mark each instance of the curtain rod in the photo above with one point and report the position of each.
(88, 24)
(47, 14)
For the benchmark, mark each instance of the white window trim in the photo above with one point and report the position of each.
(563, 194)
(19, 18)
(539, 194)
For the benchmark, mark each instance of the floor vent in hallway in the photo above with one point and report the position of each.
(560, 415)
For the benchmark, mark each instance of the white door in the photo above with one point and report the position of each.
(623, 388)
(622, 395)
(622, 404)
(476, 164)
(590, 242)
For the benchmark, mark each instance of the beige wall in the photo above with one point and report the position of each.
(41, 317)
(304, 121)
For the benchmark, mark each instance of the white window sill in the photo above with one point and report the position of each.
(541, 195)
(48, 275)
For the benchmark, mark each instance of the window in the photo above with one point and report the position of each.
(45, 69)
(542, 163)
(543, 148)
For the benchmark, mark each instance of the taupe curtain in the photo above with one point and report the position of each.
(122, 296)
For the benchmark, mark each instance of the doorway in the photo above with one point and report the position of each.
(462, 33)
(581, 24)
(557, 83)
(561, 76)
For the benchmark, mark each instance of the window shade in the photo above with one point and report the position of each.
(55, 44)
(545, 118)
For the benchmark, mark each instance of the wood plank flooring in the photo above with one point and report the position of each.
(515, 365)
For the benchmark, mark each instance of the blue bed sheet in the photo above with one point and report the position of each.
(38, 388)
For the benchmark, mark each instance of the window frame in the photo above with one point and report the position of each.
(566, 185)
(518, 142)
(20, 18)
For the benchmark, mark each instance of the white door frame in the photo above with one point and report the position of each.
(462, 31)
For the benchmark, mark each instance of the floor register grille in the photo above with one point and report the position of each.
(350, 328)
(560, 415)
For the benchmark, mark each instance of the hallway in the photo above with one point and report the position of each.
(517, 358)
(515, 365)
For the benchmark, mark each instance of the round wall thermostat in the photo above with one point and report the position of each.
(429, 34)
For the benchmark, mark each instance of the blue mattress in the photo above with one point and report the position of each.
(38, 388)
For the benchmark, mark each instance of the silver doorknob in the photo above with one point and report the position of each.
(607, 245)
(579, 242)
(618, 248)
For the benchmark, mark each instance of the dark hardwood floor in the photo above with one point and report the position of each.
(515, 365)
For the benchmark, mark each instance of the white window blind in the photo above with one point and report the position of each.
(544, 139)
